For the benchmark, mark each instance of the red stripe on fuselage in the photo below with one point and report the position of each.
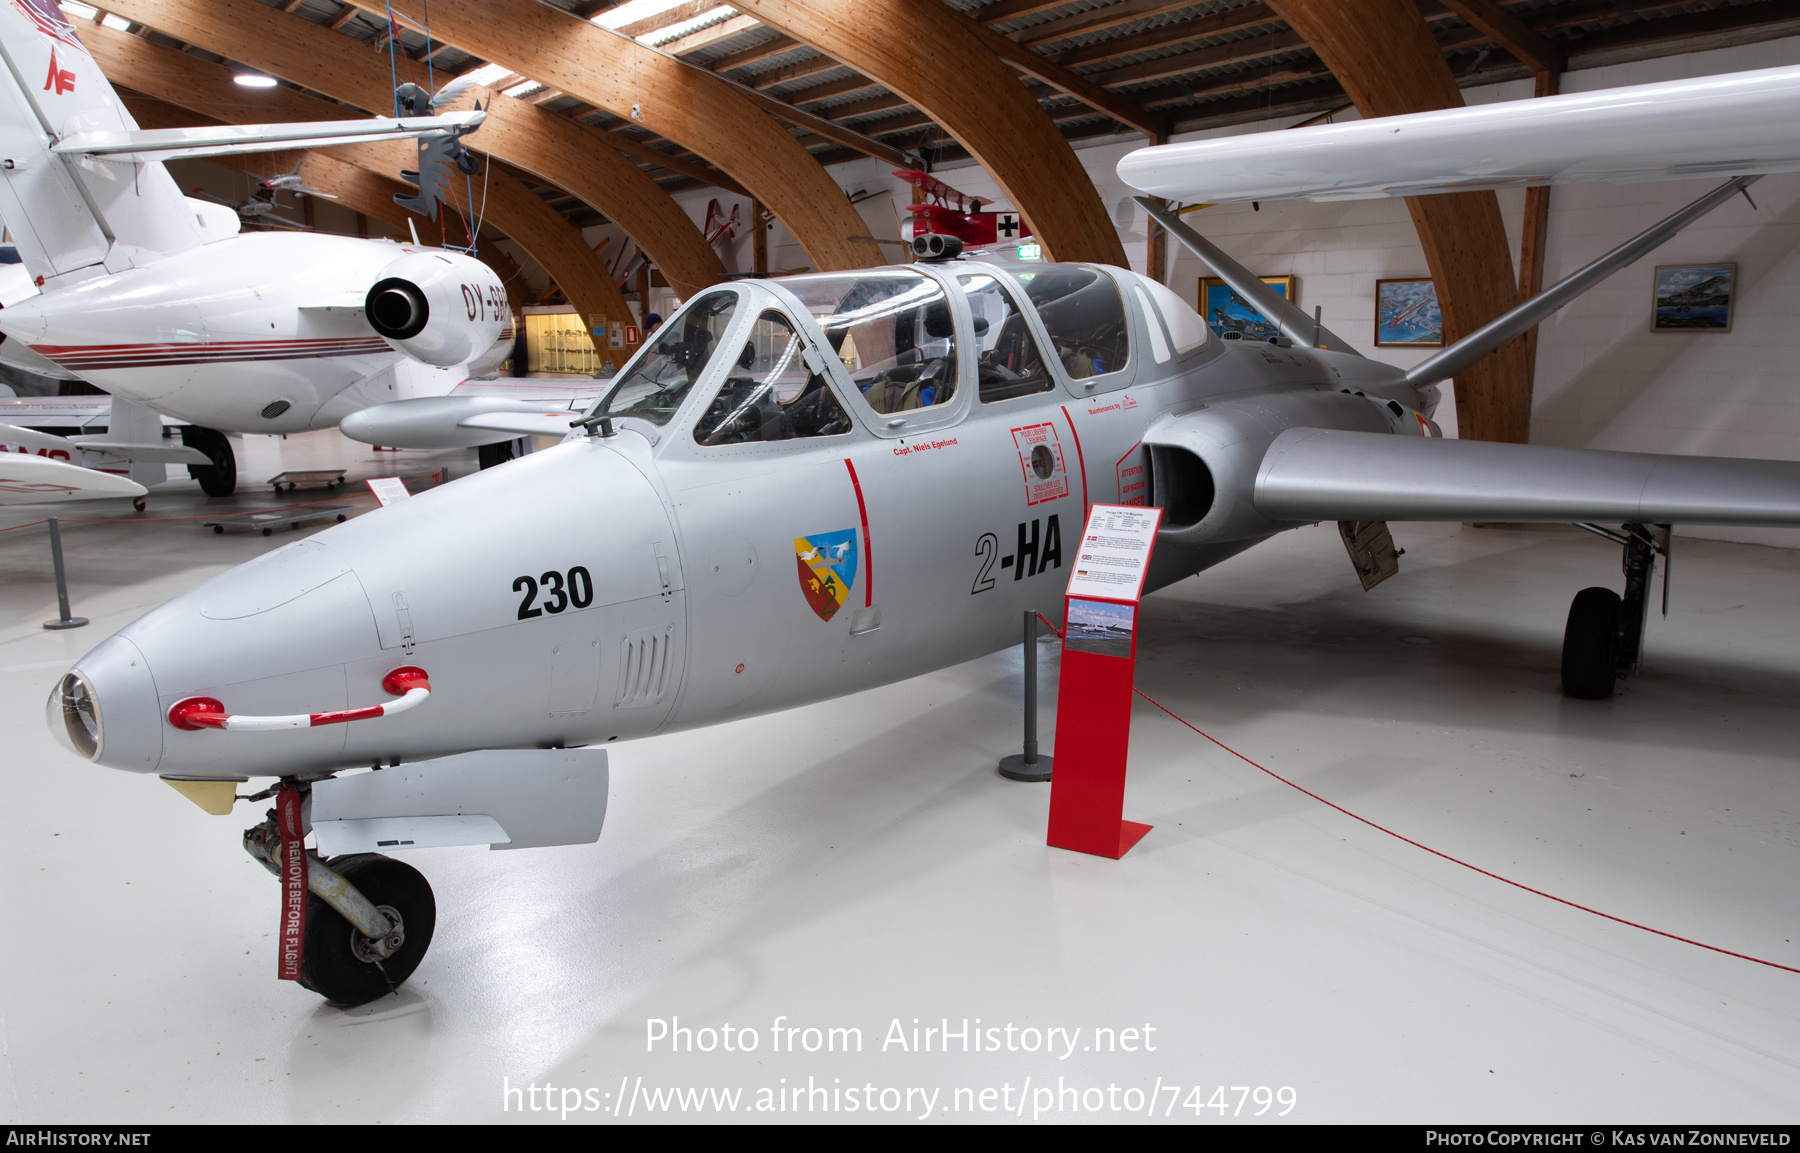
(104, 356)
(868, 547)
(1079, 459)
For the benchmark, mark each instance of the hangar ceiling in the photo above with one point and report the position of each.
(1179, 65)
(757, 96)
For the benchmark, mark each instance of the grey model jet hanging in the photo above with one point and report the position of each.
(805, 487)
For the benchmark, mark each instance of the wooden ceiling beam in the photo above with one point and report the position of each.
(832, 88)
(1691, 26)
(1096, 20)
(868, 107)
(1169, 35)
(1218, 56)
(755, 54)
(706, 37)
(561, 151)
(788, 73)
(679, 14)
(1080, 87)
(1015, 10)
(345, 14)
(684, 103)
(1510, 32)
(963, 86)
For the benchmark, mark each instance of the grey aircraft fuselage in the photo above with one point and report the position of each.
(619, 586)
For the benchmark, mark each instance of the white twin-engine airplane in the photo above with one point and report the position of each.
(813, 485)
(156, 298)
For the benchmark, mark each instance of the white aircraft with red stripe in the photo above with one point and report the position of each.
(158, 299)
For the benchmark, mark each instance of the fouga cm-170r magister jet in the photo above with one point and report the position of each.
(804, 487)
(156, 297)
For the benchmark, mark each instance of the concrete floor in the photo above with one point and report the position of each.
(858, 863)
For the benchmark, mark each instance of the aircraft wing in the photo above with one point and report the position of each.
(26, 479)
(473, 412)
(1311, 474)
(54, 412)
(1735, 124)
(569, 393)
(228, 139)
(21, 418)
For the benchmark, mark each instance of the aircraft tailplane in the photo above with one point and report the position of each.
(69, 213)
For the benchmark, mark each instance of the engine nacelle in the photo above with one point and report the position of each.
(1204, 463)
(442, 308)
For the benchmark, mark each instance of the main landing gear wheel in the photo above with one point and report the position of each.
(1590, 645)
(336, 963)
(220, 477)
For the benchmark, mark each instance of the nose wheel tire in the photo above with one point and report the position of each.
(1590, 645)
(337, 963)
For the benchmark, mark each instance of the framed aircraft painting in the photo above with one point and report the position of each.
(1407, 314)
(1693, 298)
(1225, 311)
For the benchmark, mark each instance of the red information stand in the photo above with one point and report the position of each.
(1093, 692)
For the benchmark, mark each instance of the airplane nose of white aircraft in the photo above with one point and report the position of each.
(517, 590)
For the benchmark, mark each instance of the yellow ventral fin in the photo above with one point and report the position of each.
(216, 797)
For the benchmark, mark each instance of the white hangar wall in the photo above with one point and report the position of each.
(1604, 380)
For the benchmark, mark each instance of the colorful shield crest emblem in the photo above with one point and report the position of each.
(827, 569)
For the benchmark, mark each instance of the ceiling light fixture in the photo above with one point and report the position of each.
(251, 80)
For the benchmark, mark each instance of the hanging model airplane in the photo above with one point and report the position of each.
(263, 203)
(958, 214)
(157, 299)
(803, 488)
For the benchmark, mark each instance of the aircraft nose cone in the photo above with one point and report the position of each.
(105, 709)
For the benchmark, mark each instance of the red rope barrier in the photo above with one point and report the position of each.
(1434, 852)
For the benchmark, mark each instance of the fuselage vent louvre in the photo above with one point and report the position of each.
(643, 668)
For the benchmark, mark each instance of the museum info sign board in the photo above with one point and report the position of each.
(1093, 692)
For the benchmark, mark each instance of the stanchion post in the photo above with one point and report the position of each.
(1028, 766)
(64, 621)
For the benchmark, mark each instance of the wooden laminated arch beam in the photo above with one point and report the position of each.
(1383, 54)
(934, 58)
(697, 110)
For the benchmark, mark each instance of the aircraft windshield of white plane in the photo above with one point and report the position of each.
(892, 331)
(657, 384)
(1010, 364)
(769, 393)
(1084, 315)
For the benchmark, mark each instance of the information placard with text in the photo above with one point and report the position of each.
(1114, 556)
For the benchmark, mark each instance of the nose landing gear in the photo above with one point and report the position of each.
(1603, 641)
(369, 919)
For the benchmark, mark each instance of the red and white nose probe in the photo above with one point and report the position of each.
(409, 682)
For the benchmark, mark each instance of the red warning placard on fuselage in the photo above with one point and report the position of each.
(1041, 462)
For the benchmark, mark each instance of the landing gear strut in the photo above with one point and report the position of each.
(1604, 638)
(369, 919)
